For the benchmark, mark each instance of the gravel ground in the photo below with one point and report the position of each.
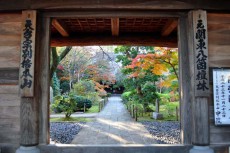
(64, 132)
(164, 132)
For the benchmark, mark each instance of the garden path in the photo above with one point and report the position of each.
(113, 125)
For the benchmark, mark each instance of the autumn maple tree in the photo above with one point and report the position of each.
(148, 69)
(163, 62)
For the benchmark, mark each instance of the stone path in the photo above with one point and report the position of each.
(113, 125)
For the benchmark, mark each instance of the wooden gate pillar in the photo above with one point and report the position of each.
(29, 105)
(198, 47)
(185, 81)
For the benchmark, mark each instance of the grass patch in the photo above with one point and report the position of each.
(93, 109)
(145, 117)
(71, 119)
(168, 110)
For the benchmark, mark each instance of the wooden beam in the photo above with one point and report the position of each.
(111, 14)
(168, 28)
(60, 27)
(115, 26)
(118, 4)
(139, 40)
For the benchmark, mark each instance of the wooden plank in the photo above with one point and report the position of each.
(219, 38)
(60, 27)
(10, 56)
(169, 28)
(218, 27)
(9, 89)
(10, 17)
(10, 40)
(220, 129)
(12, 137)
(218, 18)
(224, 36)
(115, 26)
(219, 50)
(220, 138)
(9, 112)
(43, 78)
(109, 40)
(10, 124)
(219, 63)
(29, 122)
(185, 80)
(9, 100)
(13, 28)
(26, 72)
(9, 75)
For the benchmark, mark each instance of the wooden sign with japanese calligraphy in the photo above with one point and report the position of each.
(26, 74)
(201, 72)
(221, 93)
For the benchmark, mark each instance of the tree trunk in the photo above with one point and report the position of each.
(57, 59)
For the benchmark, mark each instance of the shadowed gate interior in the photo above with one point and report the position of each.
(110, 28)
(154, 31)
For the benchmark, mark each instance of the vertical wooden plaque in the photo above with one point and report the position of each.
(26, 74)
(200, 47)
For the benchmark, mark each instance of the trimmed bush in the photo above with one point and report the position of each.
(70, 104)
(64, 104)
(126, 96)
(80, 101)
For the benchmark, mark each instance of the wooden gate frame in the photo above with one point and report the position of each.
(43, 62)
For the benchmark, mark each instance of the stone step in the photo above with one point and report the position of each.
(115, 148)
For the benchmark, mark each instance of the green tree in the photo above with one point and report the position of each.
(55, 85)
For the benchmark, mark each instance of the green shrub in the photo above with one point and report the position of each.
(69, 104)
(80, 101)
(164, 98)
(64, 104)
(126, 96)
(148, 109)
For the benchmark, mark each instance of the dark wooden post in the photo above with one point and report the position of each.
(185, 80)
(198, 46)
(42, 76)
